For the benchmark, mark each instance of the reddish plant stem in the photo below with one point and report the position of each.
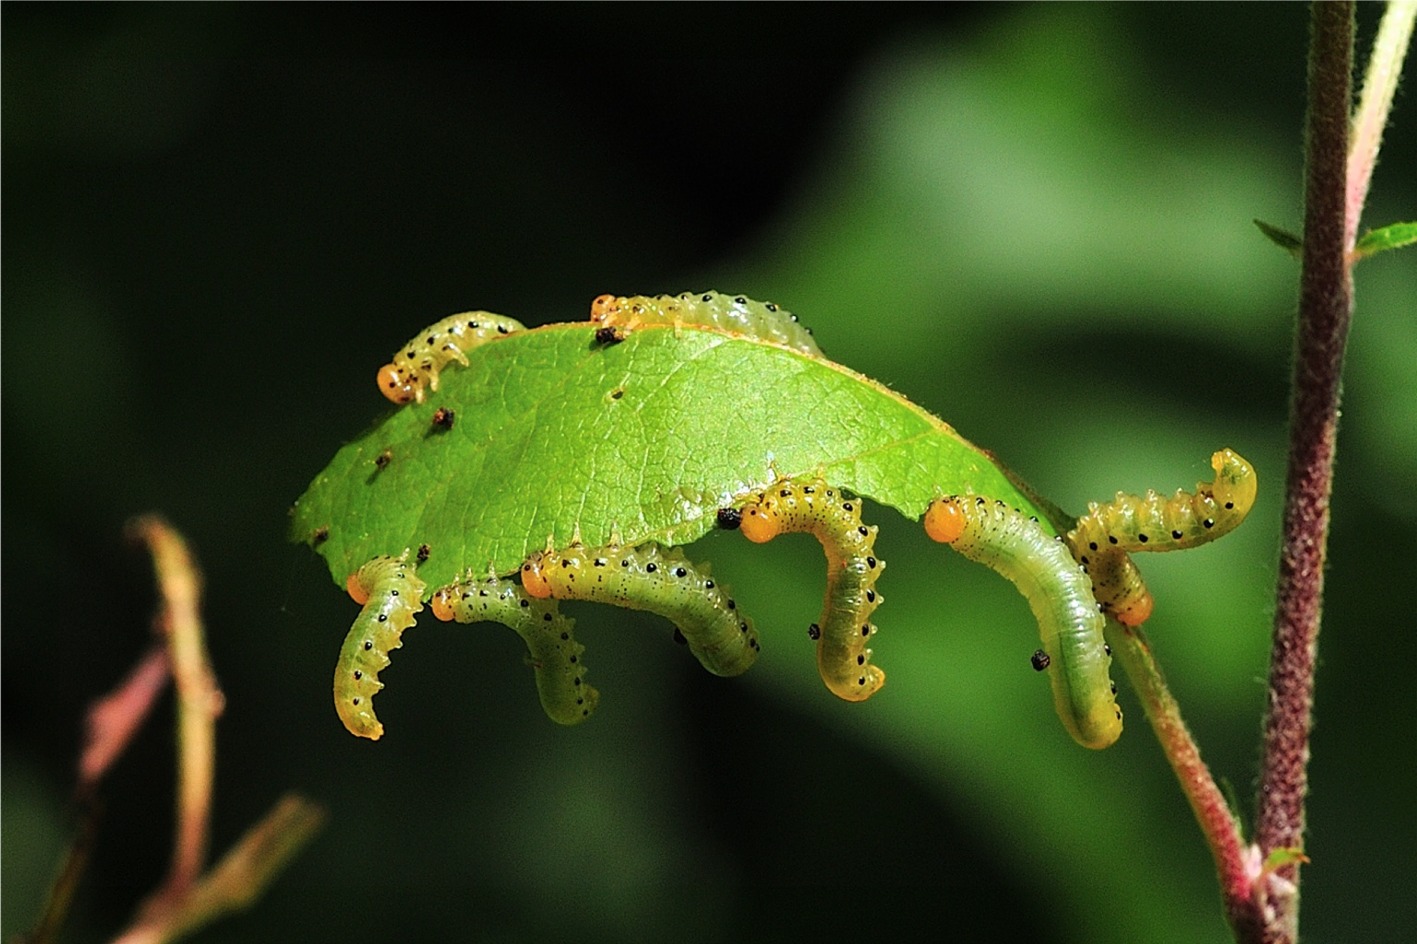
(1213, 814)
(1325, 309)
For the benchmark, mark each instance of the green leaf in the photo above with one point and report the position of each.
(1392, 236)
(556, 436)
(1282, 238)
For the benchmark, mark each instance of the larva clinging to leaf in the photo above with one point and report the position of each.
(392, 595)
(736, 313)
(416, 365)
(1075, 655)
(552, 650)
(845, 627)
(655, 579)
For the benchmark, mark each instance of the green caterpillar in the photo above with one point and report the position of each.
(845, 626)
(1070, 623)
(553, 652)
(657, 580)
(733, 313)
(1101, 539)
(417, 363)
(392, 595)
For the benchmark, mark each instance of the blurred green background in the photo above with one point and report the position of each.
(1035, 221)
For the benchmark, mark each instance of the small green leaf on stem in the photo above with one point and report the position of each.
(1282, 238)
(1278, 858)
(1392, 236)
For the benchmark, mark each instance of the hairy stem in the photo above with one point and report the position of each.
(1325, 309)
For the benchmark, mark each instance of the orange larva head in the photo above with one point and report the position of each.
(357, 591)
(441, 604)
(1135, 611)
(395, 384)
(603, 307)
(759, 524)
(534, 580)
(944, 520)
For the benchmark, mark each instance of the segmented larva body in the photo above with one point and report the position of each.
(657, 580)
(1075, 655)
(416, 365)
(1101, 538)
(392, 595)
(736, 313)
(844, 628)
(554, 654)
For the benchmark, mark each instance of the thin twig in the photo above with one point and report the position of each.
(199, 700)
(1379, 86)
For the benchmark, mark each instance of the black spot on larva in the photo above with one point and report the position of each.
(1107, 648)
(383, 617)
(1111, 539)
(1040, 660)
(1208, 523)
(423, 551)
(358, 675)
(861, 660)
(680, 572)
(651, 567)
(865, 629)
(708, 584)
(1229, 506)
(1114, 688)
(729, 519)
(870, 596)
(814, 631)
(368, 644)
(1142, 538)
(354, 700)
(1177, 535)
(1092, 545)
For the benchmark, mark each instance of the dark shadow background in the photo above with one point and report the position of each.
(220, 219)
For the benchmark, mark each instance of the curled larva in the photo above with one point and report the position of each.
(552, 650)
(734, 313)
(416, 365)
(844, 628)
(657, 580)
(1101, 539)
(1074, 653)
(391, 594)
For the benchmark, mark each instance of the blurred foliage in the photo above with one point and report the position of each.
(1034, 221)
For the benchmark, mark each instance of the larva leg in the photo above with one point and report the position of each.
(553, 652)
(1070, 624)
(1102, 538)
(392, 595)
(845, 627)
(657, 580)
(416, 365)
